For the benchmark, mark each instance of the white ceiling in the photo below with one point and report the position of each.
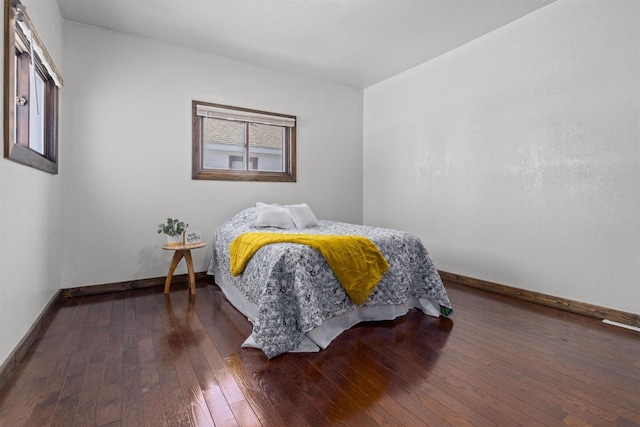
(352, 42)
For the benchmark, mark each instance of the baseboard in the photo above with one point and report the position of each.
(81, 291)
(577, 307)
(9, 365)
(590, 310)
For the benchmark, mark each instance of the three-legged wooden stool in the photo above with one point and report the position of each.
(182, 251)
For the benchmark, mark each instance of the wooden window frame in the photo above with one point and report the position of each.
(199, 172)
(17, 56)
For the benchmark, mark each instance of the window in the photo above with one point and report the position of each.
(238, 144)
(31, 94)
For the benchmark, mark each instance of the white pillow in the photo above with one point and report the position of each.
(273, 216)
(303, 216)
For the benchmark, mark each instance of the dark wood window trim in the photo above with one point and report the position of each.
(17, 56)
(199, 172)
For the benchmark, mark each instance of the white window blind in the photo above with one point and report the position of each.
(244, 116)
(30, 34)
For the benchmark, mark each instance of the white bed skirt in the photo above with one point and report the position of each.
(321, 336)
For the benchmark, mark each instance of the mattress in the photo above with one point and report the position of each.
(295, 302)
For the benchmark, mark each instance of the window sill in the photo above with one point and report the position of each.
(28, 157)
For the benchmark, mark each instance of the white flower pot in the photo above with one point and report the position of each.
(175, 240)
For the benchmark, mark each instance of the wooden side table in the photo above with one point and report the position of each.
(182, 251)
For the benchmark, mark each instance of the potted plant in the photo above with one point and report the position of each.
(174, 229)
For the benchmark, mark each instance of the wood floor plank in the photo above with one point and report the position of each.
(65, 410)
(182, 344)
(262, 389)
(140, 358)
(20, 404)
(446, 394)
(561, 353)
(131, 400)
(109, 409)
(152, 399)
(564, 370)
(331, 411)
(406, 411)
(551, 386)
(230, 372)
(357, 399)
(349, 410)
(421, 407)
(89, 394)
(64, 414)
(51, 392)
(177, 407)
(219, 407)
(18, 398)
(301, 401)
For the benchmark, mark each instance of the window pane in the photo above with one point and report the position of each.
(224, 144)
(235, 144)
(266, 146)
(32, 99)
(36, 112)
(17, 93)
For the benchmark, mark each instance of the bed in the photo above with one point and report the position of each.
(293, 298)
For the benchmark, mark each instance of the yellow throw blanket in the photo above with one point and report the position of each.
(355, 260)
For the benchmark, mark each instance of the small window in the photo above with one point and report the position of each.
(31, 94)
(238, 144)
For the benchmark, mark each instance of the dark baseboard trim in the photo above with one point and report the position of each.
(128, 285)
(9, 365)
(577, 307)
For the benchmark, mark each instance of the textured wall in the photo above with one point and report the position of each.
(127, 151)
(516, 157)
(30, 219)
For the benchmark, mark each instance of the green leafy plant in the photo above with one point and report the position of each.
(173, 227)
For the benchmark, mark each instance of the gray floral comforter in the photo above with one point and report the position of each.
(295, 290)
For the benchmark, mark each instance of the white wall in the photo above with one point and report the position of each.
(516, 157)
(126, 156)
(30, 218)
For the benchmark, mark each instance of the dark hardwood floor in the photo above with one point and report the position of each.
(136, 358)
